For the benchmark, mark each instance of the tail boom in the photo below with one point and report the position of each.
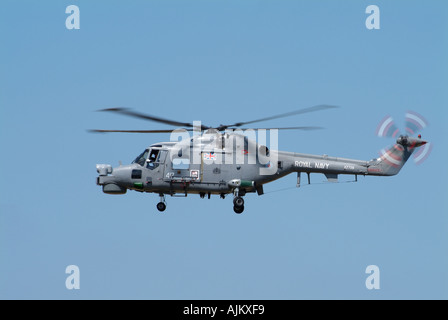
(389, 164)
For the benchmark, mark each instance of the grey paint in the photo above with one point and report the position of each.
(215, 178)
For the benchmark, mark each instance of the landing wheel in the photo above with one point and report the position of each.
(161, 206)
(238, 202)
(238, 210)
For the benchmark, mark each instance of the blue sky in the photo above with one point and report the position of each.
(220, 62)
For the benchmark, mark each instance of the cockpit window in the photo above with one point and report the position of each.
(141, 159)
(153, 159)
(153, 155)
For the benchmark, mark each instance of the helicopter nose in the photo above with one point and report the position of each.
(111, 183)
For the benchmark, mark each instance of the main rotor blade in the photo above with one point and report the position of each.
(135, 131)
(170, 131)
(285, 128)
(282, 115)
(128, 112)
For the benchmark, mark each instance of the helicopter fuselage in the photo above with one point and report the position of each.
(168, 168)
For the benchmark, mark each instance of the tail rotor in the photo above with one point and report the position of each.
(387, 128)
(414, 123)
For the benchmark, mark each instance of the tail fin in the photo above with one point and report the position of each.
(394, 158)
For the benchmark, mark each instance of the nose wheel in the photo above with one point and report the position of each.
(161, 206)
(238, 205)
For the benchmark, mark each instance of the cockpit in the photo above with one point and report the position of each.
(151, 158)
(141, 158)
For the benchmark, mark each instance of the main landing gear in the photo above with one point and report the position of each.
(238, 202)
(161, 206)
(238, 205)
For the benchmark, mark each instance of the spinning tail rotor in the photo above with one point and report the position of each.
(414, 123)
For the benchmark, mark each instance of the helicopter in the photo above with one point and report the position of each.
(224, 161)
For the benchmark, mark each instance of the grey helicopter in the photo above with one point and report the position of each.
(225, 160)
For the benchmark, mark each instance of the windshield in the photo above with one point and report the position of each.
(142, 158)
